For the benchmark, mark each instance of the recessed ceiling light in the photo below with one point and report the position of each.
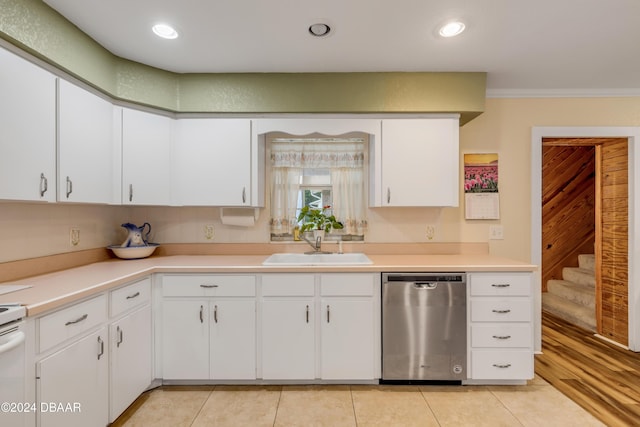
(319, 30)
(451, 29)
(165, 31)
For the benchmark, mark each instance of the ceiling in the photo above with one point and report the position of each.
(581, 47)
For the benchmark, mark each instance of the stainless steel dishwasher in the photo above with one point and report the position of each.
(424, 327)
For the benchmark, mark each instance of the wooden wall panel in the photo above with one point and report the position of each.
(568, 216)
(615, 234)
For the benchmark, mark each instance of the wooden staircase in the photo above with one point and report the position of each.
(573, 297)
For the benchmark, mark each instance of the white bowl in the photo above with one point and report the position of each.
(133, 252)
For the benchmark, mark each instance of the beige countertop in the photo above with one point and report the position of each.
(50, 291)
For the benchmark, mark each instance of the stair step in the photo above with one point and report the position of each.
(576, 314)
(579, 276)
(587, 261)
(573, 292)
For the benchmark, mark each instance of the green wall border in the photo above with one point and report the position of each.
(34, 27)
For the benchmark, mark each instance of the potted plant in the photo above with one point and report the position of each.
(317, 219)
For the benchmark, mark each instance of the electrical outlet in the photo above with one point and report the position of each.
(74, 236)
(496, 232)
(209, 232)
(430, 232)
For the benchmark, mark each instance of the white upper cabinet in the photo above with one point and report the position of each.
(27, 130)
(212, 162)
(87, 156)
(146, 158)
(416, 163)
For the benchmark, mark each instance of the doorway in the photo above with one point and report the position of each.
(585, 211)
(617, 319)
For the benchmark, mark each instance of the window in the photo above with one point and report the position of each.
(318, 172)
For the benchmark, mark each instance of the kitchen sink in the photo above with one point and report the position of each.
(352, 258)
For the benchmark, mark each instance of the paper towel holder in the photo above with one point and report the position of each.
(242, 217)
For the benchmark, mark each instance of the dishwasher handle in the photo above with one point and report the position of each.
(428, 286)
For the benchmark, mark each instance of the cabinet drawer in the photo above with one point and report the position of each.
(274, 285)
(353, 284)
(130, 296)
(57, 327)
(501, 310)
(501, 365)
(208, 286)
(500, 284)
(502, 336)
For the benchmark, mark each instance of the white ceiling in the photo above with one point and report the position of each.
(525, 46)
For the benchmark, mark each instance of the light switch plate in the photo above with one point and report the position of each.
(496, 232)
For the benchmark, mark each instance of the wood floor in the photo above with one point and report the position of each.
(601, 377)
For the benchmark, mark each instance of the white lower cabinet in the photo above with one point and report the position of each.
(73, 384)
(91, 364)
(320, 326)
(208, 327)
(130, 373)
(500, 326)
(288, 339)
(347, 339)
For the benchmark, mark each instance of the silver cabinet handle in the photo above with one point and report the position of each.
(201, 314)
(208, 285)
(44, 184)
(69, 187)
(120, 336)
(215, 313)
(388, 195)
(502, 337)
(500, 285)
(130, 192)
(328, 314)
(307, 314)
(137, 294)
(501, 311)
(505, 366)
(101, 346)
(244, 194)
(78, 320)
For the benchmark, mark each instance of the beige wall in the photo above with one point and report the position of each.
(31, 230)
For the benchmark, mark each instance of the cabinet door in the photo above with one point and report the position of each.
(233, 339)
(27, 130)
(76, 377)
(347, 340)
(213, 162)
(86, 151)
(185, 339)
(146, 158)
(130, 345)
(288, 339)
(420, 162)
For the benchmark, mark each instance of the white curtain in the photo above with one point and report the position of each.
(345, 160)
(285, 184)
(349, 200)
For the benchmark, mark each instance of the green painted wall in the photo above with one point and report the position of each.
(41, 31)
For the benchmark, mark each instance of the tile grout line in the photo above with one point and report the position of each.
(275, 417)
(426, 401)
(505, 406)
(353, 405)
(193, 420)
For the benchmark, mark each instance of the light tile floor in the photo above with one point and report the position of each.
(536, 404)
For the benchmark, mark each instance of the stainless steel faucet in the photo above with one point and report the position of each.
(317, 245)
